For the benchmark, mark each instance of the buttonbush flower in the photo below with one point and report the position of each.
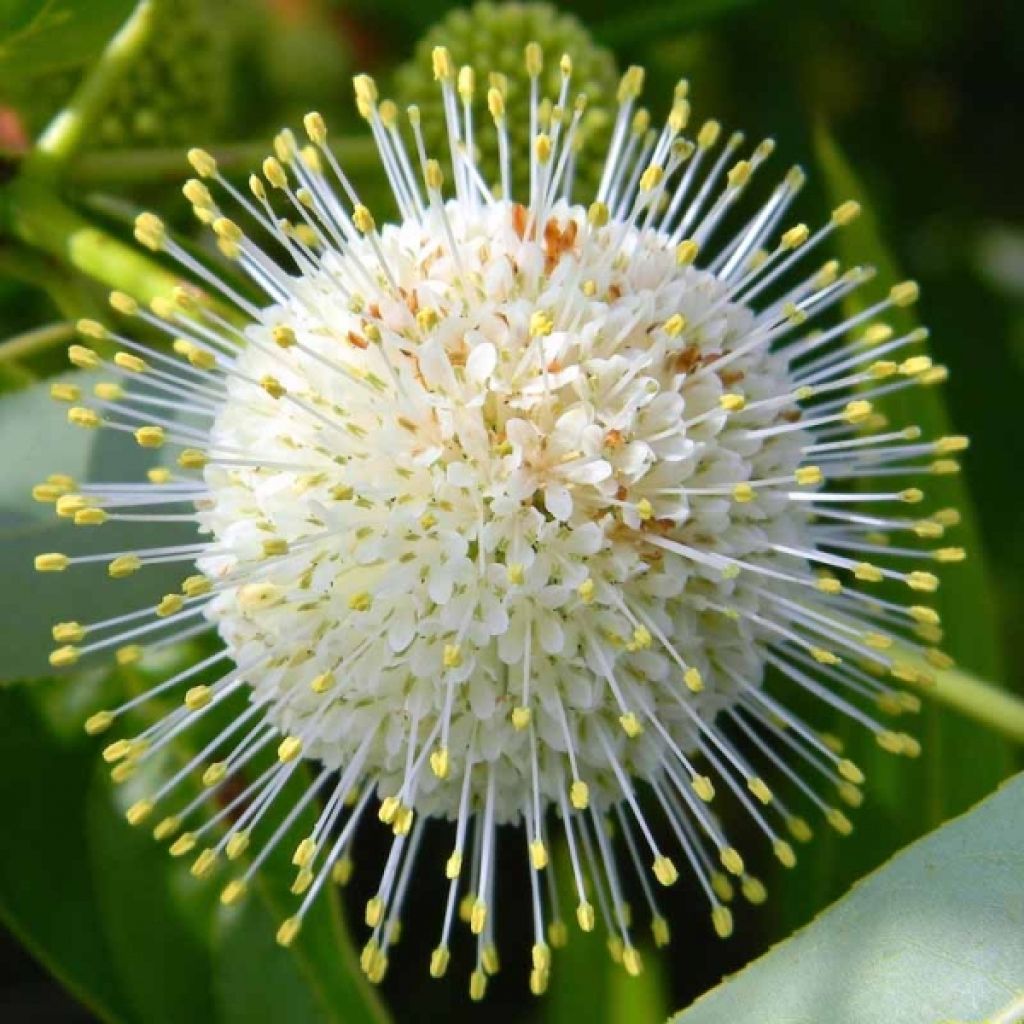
(506, 508)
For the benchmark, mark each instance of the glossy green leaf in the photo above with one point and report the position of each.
(40, 36)
(935, 935)
(38, 441)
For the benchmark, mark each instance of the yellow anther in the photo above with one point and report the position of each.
(166, 827)
(915, 365)
(538, 855)
(731, 860)
(80, 416)
(541, 324)
(451, 657)
(904, 294)
(214, 773)
(579, 795)
(150, 436)
(846, 213)
(721, 920)
(198, 697)
(478, 985)
(703, 787)
(708, 134)
(945, 467)
(196, 586)
(795, 236)
(170, 604)
(651, 178)
(799, 829)
(90, 517)
(867, 573)
(743, 493)
(585, 916)
(237, 844)
(108, 391)
(839, 821)
(130, 654)
(439, 962)
(322, 682)
(631, 725)
(521, 717)
(99, 722)
(631, 961)
(363, 220)
(824, 656)
(63, 393)
(784, 853)
(233, 892)
(52, 561)
(139, 812)
(123, 303)
(922, 581)
(721, 886)
(808, 475)
(732, 402)
(64, 657)
(951, 445)
(664, 870)
(949, 554)
(150, 231)
(478, 916)
(693, 680)
(631, 84)
(850, 794)
(586, 590)
(124, 566)
(289, 930)
(760, 789)
(203, 865)
(289, 748)
(274, 546)
(183, 845)
(361, 601)
(739, 174)
(857, 411)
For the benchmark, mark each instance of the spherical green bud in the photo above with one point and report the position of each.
(492, 37)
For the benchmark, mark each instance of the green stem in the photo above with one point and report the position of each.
(67, 131)
(30, 343)
(996, 708)
(40, 219)
(153, 166)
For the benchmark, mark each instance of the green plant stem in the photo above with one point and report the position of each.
(998, 709)
(43, 221)
(153, 166)
(30, 343)
(66, 132)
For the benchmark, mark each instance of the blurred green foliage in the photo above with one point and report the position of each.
(912, 104)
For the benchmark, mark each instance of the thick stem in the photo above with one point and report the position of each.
(68, 130)
(998, 709)
(40, 219)
(30, 343)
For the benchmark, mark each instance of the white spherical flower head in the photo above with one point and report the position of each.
(492, 509)
(506, 509)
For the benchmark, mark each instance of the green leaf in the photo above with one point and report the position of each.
(935, 935)
(47, 896)
(586, 984)
(124, 926)
(38, 442)
(41, 36)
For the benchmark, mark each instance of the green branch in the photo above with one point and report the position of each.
(41, 220)
(168, 164)
(30, 343)
(996, 708)
(66, 132)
